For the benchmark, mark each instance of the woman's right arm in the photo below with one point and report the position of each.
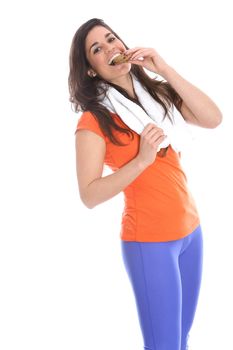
(90, 152)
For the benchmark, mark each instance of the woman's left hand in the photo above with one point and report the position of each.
(147, 58)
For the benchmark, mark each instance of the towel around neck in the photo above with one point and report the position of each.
(135, 117)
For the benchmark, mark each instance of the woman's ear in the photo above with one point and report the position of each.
(91, 73)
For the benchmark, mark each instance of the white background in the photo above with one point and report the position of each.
(62, 280)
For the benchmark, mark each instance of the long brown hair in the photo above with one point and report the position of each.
(84, 90)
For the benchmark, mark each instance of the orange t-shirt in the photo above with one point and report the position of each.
(158, 204)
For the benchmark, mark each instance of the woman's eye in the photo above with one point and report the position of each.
(96, 50)
(98, 47)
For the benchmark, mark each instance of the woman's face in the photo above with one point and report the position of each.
(101, 45)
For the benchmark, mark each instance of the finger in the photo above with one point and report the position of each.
(137, 63)
(142, 53)
(153, 125)
(156, 136)
(150, 133)
(132, 50)
(159, 141)
(148, 127)
(155, 131)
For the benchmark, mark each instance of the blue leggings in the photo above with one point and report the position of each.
(166, 278)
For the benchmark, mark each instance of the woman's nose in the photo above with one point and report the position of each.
(109, 48)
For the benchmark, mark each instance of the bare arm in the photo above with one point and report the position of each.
(94, 189)
(197, 108)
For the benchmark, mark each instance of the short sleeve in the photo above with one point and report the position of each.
(89, 122)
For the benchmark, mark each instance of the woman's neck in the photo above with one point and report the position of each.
(126, 83)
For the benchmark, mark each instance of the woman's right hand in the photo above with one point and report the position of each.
(151, 137)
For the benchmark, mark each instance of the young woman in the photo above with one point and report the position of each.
(161, 236)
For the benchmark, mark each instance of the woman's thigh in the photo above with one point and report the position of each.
(154, 271)
(191, 265)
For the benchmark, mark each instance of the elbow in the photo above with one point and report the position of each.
(216, 117)
(88, 205)
(87, 202)
(211, 120)
(89, 197)
(220, 118)
(217, 120)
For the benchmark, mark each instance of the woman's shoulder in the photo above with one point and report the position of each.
(86, 115)
(89, 115)
(88, 120)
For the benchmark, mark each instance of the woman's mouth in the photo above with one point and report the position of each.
(118, 58)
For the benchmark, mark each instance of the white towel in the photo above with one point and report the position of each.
(178, 133)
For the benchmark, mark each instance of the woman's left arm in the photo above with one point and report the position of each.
(196, 108)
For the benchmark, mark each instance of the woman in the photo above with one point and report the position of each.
(161, 235)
